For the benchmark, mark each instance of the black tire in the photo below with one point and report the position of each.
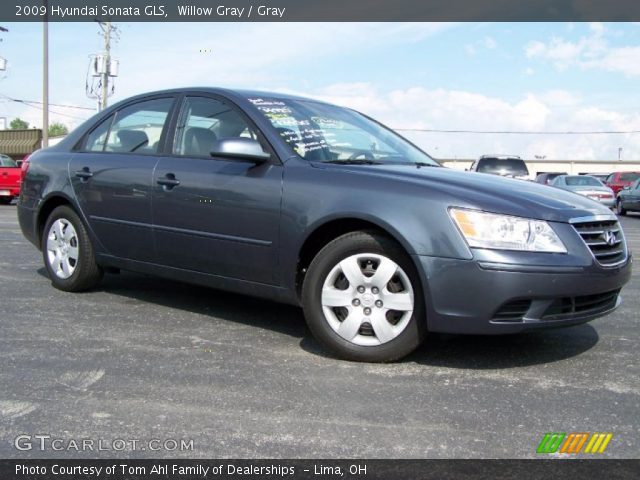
(356, 243)
(5, 200)
(87, 273)
(620, 210)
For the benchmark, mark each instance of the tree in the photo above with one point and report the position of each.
(18, 124)
(58, 129)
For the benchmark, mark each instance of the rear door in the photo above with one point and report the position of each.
(222, 215)
(112, 176)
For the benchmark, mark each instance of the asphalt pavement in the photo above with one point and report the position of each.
(144, 363)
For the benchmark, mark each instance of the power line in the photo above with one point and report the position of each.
(19, 100)
(40, 107)
(521, 132)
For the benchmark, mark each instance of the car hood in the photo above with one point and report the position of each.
(487, 192)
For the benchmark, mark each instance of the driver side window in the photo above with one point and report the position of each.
(205, 120)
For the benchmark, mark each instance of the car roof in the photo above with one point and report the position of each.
(230, 92)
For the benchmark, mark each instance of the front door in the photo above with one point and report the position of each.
(216, 215)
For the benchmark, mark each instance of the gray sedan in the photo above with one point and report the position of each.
(319, 206)
(587, 186)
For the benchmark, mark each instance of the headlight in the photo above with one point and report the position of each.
(490, 230)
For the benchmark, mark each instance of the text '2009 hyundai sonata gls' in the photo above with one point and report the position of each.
(316, 205)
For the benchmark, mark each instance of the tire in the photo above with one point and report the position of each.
(374, 332)
(5, 200)
(68, 253)
(620, 210)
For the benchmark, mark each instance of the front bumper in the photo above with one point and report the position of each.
(479, 297)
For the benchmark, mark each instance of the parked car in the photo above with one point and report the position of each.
(503, 165)
(628, 199)
(9, 179)
(587, 186)
(618, 180)
(311, 204)
(548, 177)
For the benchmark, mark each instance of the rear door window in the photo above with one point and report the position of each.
(138, 128)
(97, 139)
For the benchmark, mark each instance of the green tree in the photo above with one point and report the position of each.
(58, 129)
(18, 124)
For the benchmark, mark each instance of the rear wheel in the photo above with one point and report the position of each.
(68, 252)
(362, 299)
(5, 200)
(620, 210)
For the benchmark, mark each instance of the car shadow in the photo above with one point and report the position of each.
(256, 312)
(438, 350)
(493, 352)
(505, 351)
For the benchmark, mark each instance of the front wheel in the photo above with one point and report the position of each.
(362, 299)
(620, 210)
(68, 252)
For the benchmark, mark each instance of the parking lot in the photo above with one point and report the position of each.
(144, 358)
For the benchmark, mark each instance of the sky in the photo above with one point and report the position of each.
(532, 77)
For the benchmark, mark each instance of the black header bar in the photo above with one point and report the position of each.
(318, 10)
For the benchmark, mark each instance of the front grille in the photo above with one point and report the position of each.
(605, 240)
(583, 305)
(512, 311)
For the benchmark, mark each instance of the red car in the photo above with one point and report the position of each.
(618, 180)
(10, 179)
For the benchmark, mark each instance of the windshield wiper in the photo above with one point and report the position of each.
(425, 164)
(355, 161)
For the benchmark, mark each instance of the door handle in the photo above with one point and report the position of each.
(84, 174)
(168, 181)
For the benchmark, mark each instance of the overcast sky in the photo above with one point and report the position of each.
(505, 76)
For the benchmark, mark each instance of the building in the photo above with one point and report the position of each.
(19, 143)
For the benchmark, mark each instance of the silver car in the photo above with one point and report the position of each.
(588, 186)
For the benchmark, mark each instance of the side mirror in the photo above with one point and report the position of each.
(19, 163)
(626, 188)
(240, 148)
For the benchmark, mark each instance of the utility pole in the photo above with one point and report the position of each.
(45, 79)
(107, 66)
(3, 61)
(102, 68)
(3, 68)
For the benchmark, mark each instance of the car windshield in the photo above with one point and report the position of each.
(503, 166)
(629, 177)
(582, 181)
(327, 133)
